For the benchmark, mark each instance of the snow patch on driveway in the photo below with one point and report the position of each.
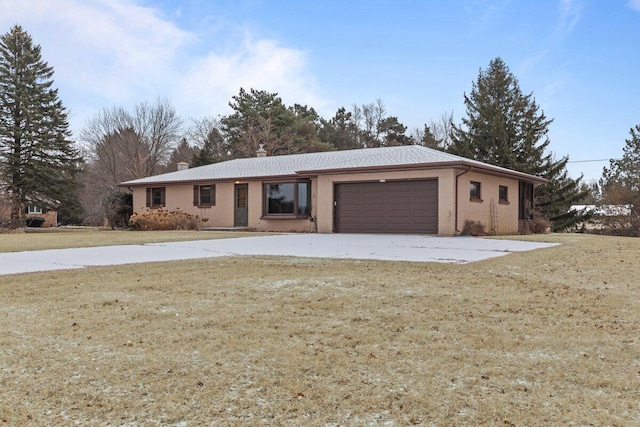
(344, 246)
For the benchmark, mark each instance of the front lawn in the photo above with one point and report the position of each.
(33, 240)
(547, 337)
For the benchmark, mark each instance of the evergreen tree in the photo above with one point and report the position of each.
(365, 126)
(391, 132)
(212, 149)
(38, 162)
(341, 131)
(182, 153)
(426, 138)
(505, 127)
(261, 118)
(208, 141)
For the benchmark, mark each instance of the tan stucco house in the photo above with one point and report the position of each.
(405, 189)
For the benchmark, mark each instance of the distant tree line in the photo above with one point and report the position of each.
(40, 163)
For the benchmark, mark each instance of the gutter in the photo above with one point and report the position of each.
(456, 203)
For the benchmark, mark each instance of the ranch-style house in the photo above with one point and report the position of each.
(404, 189)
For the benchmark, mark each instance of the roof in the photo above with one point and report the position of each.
(310, 164)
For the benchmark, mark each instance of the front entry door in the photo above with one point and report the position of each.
(241, 211)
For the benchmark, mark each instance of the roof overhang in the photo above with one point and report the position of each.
(213, 180)
(462, 165)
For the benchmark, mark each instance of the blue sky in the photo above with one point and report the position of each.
(579, 58)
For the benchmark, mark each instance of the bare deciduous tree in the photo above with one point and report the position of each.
(130, 145)
(373, 123)
(209, 144)
(120, 146)
(442, 129)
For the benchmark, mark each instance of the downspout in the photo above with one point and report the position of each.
(456, 204)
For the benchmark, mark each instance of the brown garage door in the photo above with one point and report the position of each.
(387, 207)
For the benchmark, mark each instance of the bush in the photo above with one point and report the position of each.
(161, 219)
(118, 207)
(538, 225)
(473, 228)
(541, 225)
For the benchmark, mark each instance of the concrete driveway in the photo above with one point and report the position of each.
(355, 246)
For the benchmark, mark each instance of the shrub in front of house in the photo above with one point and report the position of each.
(473, 228)
(162, 219)
(538, 225)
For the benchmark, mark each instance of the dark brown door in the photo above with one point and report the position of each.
(387, 207)
(241, 210)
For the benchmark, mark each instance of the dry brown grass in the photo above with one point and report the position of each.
(548, 337)
(34, 240)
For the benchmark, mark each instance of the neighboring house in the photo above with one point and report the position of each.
(34, 215)
(601, 217)
(405, 189)
(38, 217)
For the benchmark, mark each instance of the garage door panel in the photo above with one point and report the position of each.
(387, 207)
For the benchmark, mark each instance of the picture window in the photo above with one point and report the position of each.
(288, 198)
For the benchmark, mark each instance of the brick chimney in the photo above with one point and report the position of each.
(183, 166)
(261, 151)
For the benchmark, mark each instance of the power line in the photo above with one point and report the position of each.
(590, 161)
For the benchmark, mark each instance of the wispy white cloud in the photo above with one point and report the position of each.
(634, 4)
(117, 52)
(570, 12)
(568, 17)
(108, 49)
(484, 14)
(211, 81)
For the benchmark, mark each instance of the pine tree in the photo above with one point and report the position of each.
(428, 139)
(505, 127)
(38, 162)
(341, 131)
(211, 151)
(182, 153)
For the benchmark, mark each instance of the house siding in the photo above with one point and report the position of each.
(180, 196)
(504, 220)
(446, 190)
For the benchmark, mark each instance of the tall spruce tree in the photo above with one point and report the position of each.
(38, 162)
(505, 127)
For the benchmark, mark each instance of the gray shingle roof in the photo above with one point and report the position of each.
(290, 165)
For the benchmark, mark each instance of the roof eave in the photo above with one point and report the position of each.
(456, 164)
(211, 180)
(433, 165)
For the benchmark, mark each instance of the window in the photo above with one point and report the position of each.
(242, 196)
(34, 210)
(288, 198)
(204, 196)
(304, 199)
(474, 192)
(503, 194)
(156, 197)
